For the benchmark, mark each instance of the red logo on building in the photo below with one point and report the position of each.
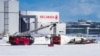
(56, 17)
(49, 17)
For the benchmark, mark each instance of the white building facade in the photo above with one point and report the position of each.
(9, 16)
(43, 19)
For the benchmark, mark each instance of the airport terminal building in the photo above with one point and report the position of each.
(83, 27)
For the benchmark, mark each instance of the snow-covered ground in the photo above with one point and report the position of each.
(45, 50)
(56, 50)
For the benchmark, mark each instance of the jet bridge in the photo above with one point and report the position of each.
(25, 23)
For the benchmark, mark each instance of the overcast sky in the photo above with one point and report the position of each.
(70, 10)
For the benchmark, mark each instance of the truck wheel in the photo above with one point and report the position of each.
(13, 43)
(21, 43)
(31, 42)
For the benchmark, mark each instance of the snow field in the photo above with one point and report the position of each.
(56, 50)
